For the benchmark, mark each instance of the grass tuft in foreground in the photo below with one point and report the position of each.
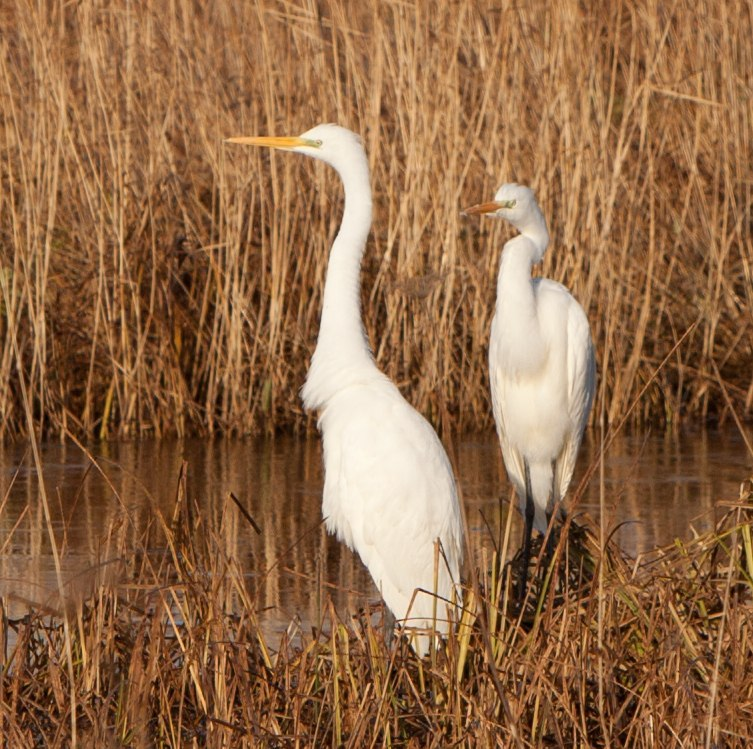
(167, 651)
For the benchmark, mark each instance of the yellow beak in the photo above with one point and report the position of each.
(482, 208)
(273, 141)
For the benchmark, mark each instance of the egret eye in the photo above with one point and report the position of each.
(318, 143)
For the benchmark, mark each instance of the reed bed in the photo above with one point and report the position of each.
(166, 650)
(155, 281)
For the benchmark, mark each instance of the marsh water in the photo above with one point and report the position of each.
(656, 487)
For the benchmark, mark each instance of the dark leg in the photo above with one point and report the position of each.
(388, 623)
(527, 532)
(551, 540)
(552, 511)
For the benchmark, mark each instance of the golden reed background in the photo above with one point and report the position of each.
(154, 280)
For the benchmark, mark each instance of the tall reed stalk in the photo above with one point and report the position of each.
(157, 282)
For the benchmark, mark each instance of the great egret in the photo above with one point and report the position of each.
(541, 367)
(389, 489)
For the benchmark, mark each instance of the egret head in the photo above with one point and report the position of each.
(517, 204)
(332, 144)
(513, 202)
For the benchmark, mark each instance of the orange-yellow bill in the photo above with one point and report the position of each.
(482, 208)
(271, 141)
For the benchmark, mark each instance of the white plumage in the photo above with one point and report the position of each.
(541, 365)
(389, 490)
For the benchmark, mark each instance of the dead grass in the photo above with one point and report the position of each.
(167, 651)
(157, 283)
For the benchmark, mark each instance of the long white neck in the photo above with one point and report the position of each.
(342, 355)
(517, 329)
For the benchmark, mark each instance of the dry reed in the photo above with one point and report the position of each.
(156, 282)
(167, 651)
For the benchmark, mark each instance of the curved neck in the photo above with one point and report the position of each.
(533, 228)
(516, 316)
(519, 254)
(342, 353)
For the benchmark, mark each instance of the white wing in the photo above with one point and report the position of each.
(581, 386)
(541, 414)
(390, 493)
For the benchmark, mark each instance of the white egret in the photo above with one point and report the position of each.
(541, 368)
(389, 489)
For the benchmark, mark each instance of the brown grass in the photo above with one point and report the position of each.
(157, 282)
(167, 651)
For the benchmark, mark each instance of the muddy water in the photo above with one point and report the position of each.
(656, 487)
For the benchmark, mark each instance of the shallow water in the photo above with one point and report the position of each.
(656, 486)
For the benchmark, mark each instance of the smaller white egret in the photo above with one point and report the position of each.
(389, 489)
(541, 368)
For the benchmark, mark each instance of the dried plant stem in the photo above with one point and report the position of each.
(51, 535)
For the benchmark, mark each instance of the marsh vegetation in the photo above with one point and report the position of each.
(167, 650)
